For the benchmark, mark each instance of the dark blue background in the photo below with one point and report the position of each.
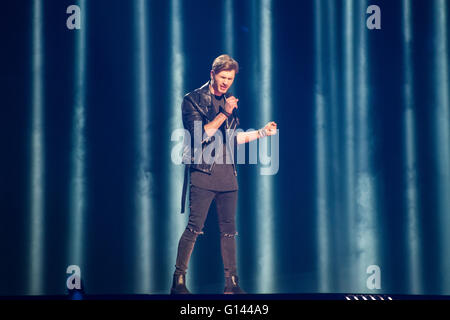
(110, 97)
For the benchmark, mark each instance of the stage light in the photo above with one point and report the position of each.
(442, 133)
(78, 155)
(36, 254)
(360, 184)
(321, 197)
(413, 237)
(228, 27)
(145, 277)
(264, 195)
(349, 125)
(176, 222)
(366, 244)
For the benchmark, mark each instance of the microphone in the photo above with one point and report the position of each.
(235, 112)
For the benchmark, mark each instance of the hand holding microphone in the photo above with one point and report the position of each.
(231, 104)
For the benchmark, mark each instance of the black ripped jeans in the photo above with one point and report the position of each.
(200, 201)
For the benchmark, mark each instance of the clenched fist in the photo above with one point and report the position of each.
(271, 128)
(231, 104)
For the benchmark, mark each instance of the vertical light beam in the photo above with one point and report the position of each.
(264, 194)
(177, 222)
(411, 198)
(144, 276)
(36, 276)
(322, 205)
(349, 125)
(334, 241)
(228, 27)
(442, 135)
(78, 155)
(365, 241)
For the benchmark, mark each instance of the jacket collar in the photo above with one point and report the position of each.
(205, 102)
(204, 95)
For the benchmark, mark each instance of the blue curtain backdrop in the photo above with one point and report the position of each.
(361, 199)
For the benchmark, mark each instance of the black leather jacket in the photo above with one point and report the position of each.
(197, 107)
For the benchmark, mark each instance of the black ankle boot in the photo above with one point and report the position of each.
(179, 285)
(232, 286)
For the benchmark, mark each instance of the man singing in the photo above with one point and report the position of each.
(213, 110)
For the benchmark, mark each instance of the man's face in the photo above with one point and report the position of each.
(222, 81)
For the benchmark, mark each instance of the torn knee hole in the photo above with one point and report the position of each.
(230, 235)
(195, 232)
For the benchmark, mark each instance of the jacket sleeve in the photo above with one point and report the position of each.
(191, 117)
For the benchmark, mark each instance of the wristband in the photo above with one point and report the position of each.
(224, 112)
(262, 132)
